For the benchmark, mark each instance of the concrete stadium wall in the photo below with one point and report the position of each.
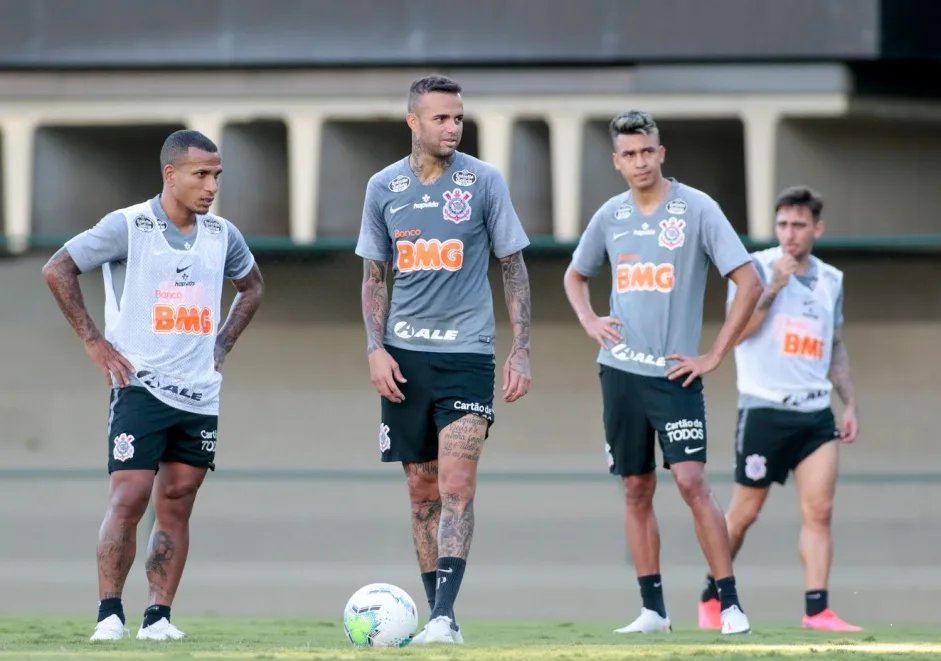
(297, 397)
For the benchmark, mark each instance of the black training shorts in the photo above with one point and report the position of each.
(143, 431)
(440, 388)
(636, 407)
(770, 443)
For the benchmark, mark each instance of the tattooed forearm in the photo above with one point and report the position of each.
(375, 302)
(766, 300)
(117, 546)
(840, 372)
(251, 288)
(61, 274)
(516, 289)
(457, 526)
(426, 512)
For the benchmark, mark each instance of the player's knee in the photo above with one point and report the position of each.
(129, 499)
(818, 513)
(423, 488)
(741, 518)
(175, 499)
(639, 490)
(692, 485)
(459, 483)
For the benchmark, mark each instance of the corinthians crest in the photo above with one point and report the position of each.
(456, 207)
(671, 233)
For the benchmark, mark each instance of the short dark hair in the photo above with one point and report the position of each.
(429, 84)
(633, 122)
(178, 144)
(800, 196)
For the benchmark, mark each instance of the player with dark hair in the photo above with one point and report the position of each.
(434, 217)
(659, 238)
(789, 359)
(164, 263)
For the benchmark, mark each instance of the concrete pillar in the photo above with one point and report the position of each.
(495, 139)
(304, 138)
(761, 126)
(565, 143)
(211, 126)
(17, 134)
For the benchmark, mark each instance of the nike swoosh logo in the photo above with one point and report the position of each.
(446, 571)
(620, 234)
(694, 450)
(180, 270)
(394, 209)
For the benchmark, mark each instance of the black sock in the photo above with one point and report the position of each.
(651, 592)
(709, 591)
(815, 602)
(728, 595)
(430, 579)
(155, 613)
(449, 575)
(109, 607)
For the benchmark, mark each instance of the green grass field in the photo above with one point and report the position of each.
(47, 639)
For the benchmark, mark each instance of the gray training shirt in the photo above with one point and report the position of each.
(659, 264)
(107, 243)
(438, 238)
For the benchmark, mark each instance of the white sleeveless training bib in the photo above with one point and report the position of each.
(167, 319)
(787, 360)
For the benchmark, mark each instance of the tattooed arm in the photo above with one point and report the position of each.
(250, 288)
(843, 383)
(840, 371)
(383, 370)
(516, 372)
(375, 302)
(61, 274)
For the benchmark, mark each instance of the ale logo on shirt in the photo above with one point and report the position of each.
(188, 319)
(645, 276)
(429, 255)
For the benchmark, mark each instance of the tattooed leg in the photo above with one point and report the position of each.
(460, 446)
(117, 538)
(426, 513)
(175, 495)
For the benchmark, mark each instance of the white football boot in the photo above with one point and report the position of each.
(648, 622)
(110, 628)
(439, 631)
(160, 630)
(734, 621)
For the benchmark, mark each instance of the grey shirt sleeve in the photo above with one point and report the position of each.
(838, 310)
(507, 235)
(374, 241)
(761, 277)
(720, 241)
(105, 242)
(239, 260)
(591, 252)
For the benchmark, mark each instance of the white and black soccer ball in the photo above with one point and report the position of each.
(380, 615)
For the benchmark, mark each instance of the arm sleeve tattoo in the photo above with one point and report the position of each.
(516, 288)
(840, 371)
(247, 300)
(61, 274)
(375, 302)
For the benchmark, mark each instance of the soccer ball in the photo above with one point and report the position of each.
(380, 615)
